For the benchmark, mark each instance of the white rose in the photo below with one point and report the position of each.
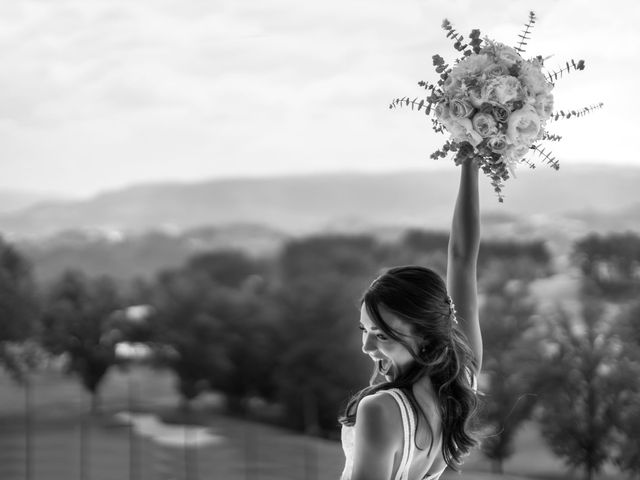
(496, 70)
(473, 64)
(517, 152)
(460, 108)
(451, 84)
(503, 89)
(523, 126)
(544, 105)
(533, 79)
(508, 55)
(505, 54)
(484, 124)
(476, 97)
(461, 130)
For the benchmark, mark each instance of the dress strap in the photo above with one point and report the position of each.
(408, 427)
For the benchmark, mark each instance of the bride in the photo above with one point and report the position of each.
(415, 423)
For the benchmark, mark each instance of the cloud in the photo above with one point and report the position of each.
(97, 94)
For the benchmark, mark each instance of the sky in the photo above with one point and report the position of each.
(101, 94)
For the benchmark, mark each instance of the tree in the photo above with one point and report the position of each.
(253, 344)
(321, 280)
(533, 253)
(76, 318)
(611, 263)
(628, 442)
(587, 386)
(511, 348)
(226, 267)
(194, 337)
(18, 310)
(628, 425)
(320, 254)
(216, 315)
(418, 247)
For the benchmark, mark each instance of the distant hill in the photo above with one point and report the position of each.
(140, 230)
(592, 197)
(15, 200)
(141, 255)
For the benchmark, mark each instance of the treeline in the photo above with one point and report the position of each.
(561, 336)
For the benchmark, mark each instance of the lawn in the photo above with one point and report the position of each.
(66, 443)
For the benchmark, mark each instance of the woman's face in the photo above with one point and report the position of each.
(391, 356)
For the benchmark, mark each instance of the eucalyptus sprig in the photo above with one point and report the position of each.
(413, 103)
(476, 41)
(452, 33)
(429, 87)
(437, 126)
(443, 151)
(442, 69)
(547, 156)
(525, 34)
(552, 137)
(497, 172)
(576, 113)
(568, 67)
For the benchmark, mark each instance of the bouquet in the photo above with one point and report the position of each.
(494, 103)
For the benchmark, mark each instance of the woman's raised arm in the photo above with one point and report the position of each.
(464, 244)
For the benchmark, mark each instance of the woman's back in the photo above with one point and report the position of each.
(411, 462)
(428, 454)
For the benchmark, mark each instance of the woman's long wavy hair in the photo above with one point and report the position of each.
(418, 296)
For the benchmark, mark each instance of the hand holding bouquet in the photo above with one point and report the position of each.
(493, 103)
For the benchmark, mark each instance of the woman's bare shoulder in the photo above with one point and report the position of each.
(379, 415)
(380, 405)
(378, 437)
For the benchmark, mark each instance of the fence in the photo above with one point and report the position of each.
(48, 433)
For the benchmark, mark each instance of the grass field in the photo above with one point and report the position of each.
(66, 443)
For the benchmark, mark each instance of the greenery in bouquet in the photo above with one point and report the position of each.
(494, 103)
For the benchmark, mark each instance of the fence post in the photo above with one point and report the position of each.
(84, 443)
(189, 455)
(250, 450)
(28, 425)
(195, 456)
(133, 450)
(310, 409)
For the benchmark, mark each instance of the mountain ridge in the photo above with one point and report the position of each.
(306, 203)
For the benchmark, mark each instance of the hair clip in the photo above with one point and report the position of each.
(452, 309)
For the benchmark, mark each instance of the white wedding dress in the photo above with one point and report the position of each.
(408, 426)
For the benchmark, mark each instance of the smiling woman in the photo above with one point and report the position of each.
(391, 357)
(415, 422)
